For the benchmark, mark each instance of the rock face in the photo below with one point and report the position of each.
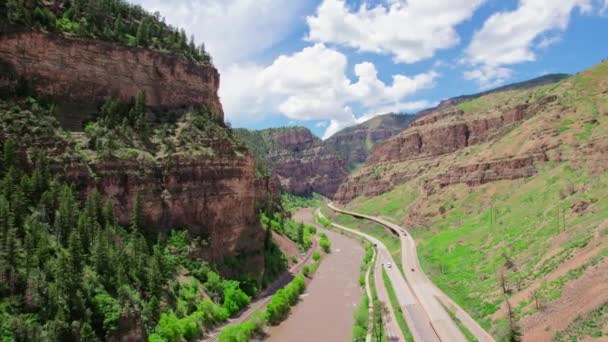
(212, 196)
(86, 72)
(303, 164)
(213, 199)
(354, 144)
(481, 173)
(444, 132)
(433, 146)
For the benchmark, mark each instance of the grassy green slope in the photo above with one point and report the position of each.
(469, 234)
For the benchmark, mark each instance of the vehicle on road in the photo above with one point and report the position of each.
(389, 265)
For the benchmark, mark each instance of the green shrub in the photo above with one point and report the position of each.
(109, 309)
(306, 270)
(279, 305)
(316, 256)
(234, 298)
(242, 332)
(325, 243)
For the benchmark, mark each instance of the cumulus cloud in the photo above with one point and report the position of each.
(312, 84)
(409, 30)
(232, 30)
(511, 37)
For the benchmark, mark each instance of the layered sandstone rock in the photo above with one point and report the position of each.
(87, 71)
(437, 134)
(354, 144)
(491, 171)
(212, 198)
(213, 195)
(303, 164)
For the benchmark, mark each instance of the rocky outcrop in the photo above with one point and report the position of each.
(313, 170)
(443, 132)
(303, 164)
(213, 196)
(491, 171)
(300, 161)
(87, 71)
(296, 139)
(354, 144)
(364, 184)
(213, 199)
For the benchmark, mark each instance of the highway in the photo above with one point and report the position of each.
(414, 314)
(428, 296)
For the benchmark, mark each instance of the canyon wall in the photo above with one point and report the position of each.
(87, 71)
(432, 146)
(211, 198)
(354, 144)
(304, 165)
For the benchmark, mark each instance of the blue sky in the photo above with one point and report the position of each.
(328, 64)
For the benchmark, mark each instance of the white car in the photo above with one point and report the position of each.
(389, 265)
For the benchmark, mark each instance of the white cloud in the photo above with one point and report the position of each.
(409, 30)
(232, 30)
(312, 84)
(508, 38)
(488, 76)
(548, 41)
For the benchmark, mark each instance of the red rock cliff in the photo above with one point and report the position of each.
(303, 164)
(211, 198)
(87, 71)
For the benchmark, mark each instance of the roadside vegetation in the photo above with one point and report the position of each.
(361, 316)
(291, 202)
(396, 307)
(277, 309)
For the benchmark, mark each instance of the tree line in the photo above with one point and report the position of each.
(69, 271)
(109, 20)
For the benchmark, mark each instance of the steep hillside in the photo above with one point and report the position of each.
(355, 143)
(535, 82)
(507, 196)
(122, 193)
(154, 124)
(300, 160)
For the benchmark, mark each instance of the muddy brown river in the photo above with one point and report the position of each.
(325, 311)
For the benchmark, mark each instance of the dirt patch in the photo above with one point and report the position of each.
(578, 298)
(288, 247)
(579, 258)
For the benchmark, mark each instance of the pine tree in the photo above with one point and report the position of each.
(156, 273)
(9, 155)
(137, 214)
(76, 253)
(67, 216)
(108, 214)
(301, 233)
(268, 238)
(142, 35)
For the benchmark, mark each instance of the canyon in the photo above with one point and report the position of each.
(303, 164)
(213, 197)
